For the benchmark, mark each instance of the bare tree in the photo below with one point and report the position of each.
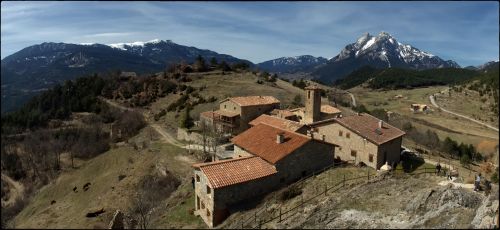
(143, 207)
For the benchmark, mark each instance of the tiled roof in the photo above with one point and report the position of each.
(282, 113)
(366, 126)
(277, 122)
(260, 140)
(211, 114)
(254, 100)
(329, 109)
(229, 172)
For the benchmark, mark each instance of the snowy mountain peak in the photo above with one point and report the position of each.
(123, 46)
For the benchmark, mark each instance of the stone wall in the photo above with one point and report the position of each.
(194, 137)
(349, 141)
(309, 158)
(390, 152)
(206, 201)
(248, 113)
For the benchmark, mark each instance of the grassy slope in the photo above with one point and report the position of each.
(103, 171)
(468, 132)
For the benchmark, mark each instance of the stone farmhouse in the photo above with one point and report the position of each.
(281, 146)
(265, 158)
(235, 112)
(361, 138)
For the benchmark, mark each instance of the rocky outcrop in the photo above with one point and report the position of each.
(487, 213)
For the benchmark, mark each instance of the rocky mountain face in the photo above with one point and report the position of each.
(381, 51)
(304, 63)
(39, 67)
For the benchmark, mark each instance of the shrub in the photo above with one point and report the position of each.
(290, 193)
(494, 177)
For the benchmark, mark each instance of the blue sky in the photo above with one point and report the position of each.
(467, 32)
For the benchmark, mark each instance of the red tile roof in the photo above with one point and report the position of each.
(254, 100)
(229, 172)
(260, 140)
(277, 122)
(282, 113)
(329, 109)
(211, 114)
(366, 126)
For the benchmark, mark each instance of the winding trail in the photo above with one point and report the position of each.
(432, 99)
(353, 98)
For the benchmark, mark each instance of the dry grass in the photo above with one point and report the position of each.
(102, 172)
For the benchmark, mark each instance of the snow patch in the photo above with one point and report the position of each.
(139, 43)
(369, 43)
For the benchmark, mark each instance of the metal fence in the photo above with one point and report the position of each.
(262, 216)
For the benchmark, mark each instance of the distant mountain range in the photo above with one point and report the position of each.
(38, 67)
(380, 52)
(304, 63)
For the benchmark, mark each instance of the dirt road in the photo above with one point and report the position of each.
(353, 99)
(431, 98)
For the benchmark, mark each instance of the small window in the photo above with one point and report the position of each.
(348, 135)
(208, 213)
(340, 133)
(308, 94)
(224, 106)
(340, 148)
(353, 153)
(197, 178)
(209, 190)
(370, 158)
(202, 205)
(234, 108)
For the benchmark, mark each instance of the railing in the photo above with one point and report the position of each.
(260, 218)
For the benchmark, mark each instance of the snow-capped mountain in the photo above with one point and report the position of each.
(304, 63)
(381, 51)
(41, 66)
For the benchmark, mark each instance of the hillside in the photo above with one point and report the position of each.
(422, 201)
(396, 78)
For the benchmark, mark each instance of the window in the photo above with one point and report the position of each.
(308, 94)
(202, 205)
(348, 135)
(198, 202)
(224, 106)
(234, 108)
(209, 190)
(197, 178)
(370, 158)
(340, 148)
(340, 133)
(353, 153)
(208, 213)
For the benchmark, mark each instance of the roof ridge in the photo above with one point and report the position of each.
(199, 165)
(298, 134)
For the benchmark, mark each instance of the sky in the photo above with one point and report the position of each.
(466, 32)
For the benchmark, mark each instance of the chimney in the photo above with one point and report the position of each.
(380, 124)
(280, 138)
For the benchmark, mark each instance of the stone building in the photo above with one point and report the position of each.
(361, 138)
(281, 123)
(266, 158)
(235, 113)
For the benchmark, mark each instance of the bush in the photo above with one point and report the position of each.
(290, 193)
(494, 177)
(259, 82)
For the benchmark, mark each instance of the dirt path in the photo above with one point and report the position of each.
(166, 136)
(16, 190)
(431, 98)
(353, 98)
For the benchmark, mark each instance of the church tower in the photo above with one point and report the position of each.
(313, 104)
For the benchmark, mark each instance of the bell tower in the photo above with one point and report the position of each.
(313, 104)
